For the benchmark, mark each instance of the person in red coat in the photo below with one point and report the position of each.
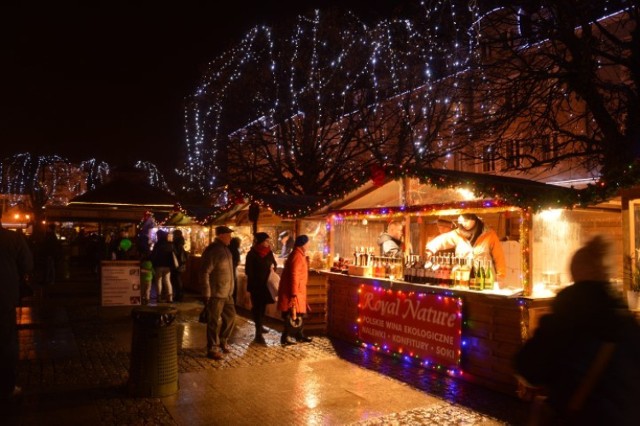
(292, 293)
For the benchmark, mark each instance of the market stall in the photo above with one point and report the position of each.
(426, 309)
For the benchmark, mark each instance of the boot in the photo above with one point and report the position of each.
(284, 340)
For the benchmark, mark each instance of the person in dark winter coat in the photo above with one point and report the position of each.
(216, 278)
(585, 354)
(162, 259)
(258, 264)
(180, 267)
(16, 264)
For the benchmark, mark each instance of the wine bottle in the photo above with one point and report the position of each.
(464, 272)
(480, 276)
(488, 277)
(472, 276)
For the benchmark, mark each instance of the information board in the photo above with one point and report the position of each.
(120, 282)
(424, 325)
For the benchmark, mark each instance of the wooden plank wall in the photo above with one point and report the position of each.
(494, 328)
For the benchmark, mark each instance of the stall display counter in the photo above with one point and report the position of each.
(494, 325)
(316, 318)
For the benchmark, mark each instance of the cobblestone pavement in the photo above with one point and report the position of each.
(75, 359)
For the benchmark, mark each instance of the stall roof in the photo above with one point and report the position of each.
(428, 187)
(126, 193)
(116, 201)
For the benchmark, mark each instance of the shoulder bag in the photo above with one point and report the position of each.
(273, 283)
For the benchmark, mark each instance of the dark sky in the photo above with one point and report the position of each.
(107, 79)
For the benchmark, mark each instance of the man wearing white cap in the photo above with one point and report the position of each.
(216, 274)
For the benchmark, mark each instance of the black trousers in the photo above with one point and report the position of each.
(258, 309)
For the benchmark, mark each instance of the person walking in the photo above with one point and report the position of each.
(216, 276)
(16, 264)
(180, 267)
(162, 258)
(146, 279)
(51, 251)
(585, 353)
(234, 247)
(258, 264)
(292, 293)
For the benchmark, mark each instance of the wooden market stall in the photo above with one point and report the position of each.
(471, 334)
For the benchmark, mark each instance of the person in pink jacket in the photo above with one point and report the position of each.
(472, 239)
(292, 293)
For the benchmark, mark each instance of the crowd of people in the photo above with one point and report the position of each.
(218, 277)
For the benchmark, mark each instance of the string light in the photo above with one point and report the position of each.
(405, 354)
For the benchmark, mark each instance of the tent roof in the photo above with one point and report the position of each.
(438, 187)
(123, 192)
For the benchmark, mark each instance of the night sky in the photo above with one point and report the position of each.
(107, 79)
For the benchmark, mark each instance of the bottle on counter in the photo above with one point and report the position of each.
(480, 275)
(489, 278)
(445, 274)
(465, 272)
(472, 276)
(455, 271)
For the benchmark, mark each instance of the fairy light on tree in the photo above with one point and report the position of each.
(97, 172)
(557, 90)
(154, 176)
(313, 110)
(36, 181)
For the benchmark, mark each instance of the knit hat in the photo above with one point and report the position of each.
(261, 237)
(301, 240)
(590, 262)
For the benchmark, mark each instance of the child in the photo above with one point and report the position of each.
(146, 278)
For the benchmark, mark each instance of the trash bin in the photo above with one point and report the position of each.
(154, 352)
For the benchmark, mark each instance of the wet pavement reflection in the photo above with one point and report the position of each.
(75, 359)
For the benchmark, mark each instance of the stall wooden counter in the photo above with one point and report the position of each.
(493, 326)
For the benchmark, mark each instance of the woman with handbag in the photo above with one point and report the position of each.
(258, 265)
(292, 293)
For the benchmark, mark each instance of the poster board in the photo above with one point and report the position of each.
(427, 326)
(120, 282)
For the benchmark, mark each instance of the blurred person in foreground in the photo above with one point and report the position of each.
(16, 265)
(292, 293)
(258, 264)
(584, 355)
(217, 278)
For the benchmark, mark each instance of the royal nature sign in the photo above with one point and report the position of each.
(421, 325)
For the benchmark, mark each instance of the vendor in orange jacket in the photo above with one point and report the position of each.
(472, 238)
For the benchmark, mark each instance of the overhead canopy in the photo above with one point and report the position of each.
(121, 192)
(438, 186)
(116, 201)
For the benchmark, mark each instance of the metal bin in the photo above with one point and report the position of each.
(154, 352)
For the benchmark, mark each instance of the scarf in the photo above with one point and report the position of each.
(262, 250)
(473, 234)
